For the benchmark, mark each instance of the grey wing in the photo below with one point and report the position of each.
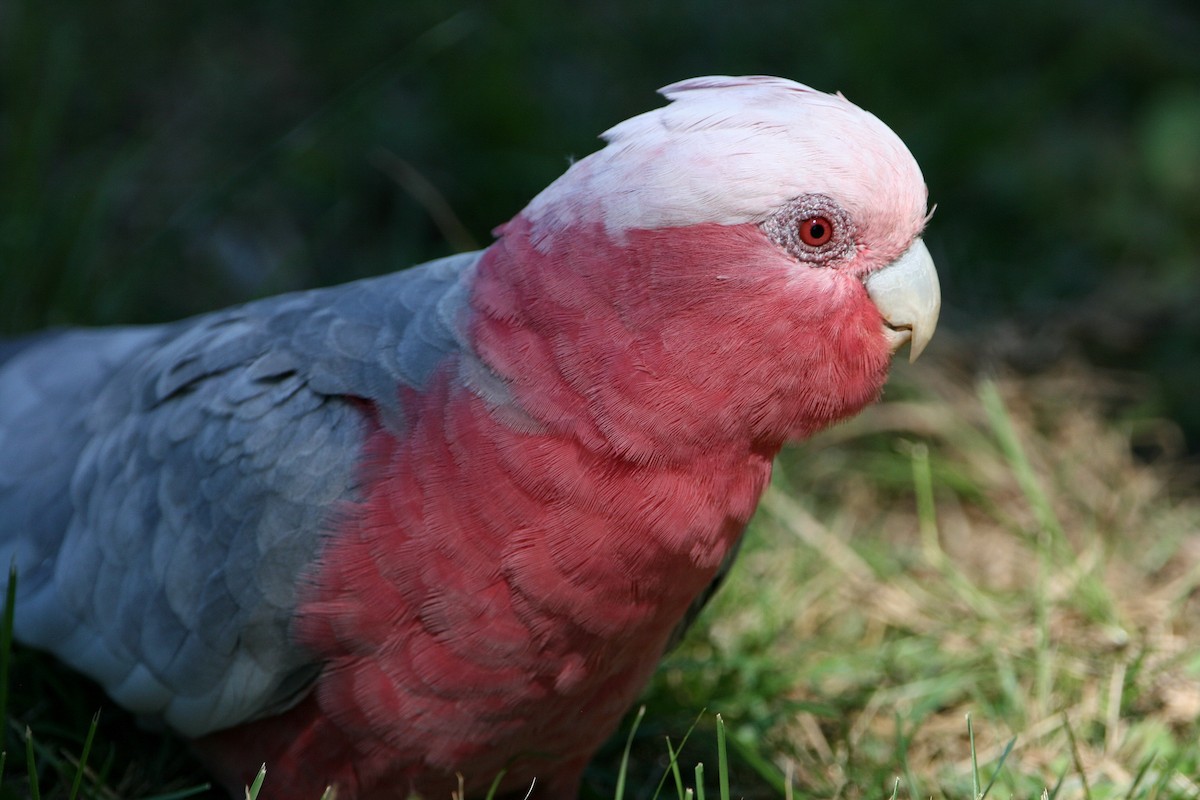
(164, 489)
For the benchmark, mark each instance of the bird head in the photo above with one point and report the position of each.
(741, 262)
(827, 183)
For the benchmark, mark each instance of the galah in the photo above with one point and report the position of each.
(445, 522)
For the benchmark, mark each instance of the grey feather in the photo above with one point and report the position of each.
(163, 489)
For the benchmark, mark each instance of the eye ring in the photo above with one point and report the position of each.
(815, 231)
(813, 228)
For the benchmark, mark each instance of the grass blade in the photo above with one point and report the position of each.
(763, 766)
(1165, 774)
(1087, 790)
(621, 774)
(722, 759)
(926, 507)
(35, 792)
(83, 756)
(902, 748)
(1049, 534)
(974, 761)
(673, 767)
(1053, 793)
(999, 766)
(674, 756)
(495, 787)
(256, 786)
(1140, 776)
(700, 781)
(1018, 461)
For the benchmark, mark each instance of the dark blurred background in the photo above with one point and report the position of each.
(161, 159)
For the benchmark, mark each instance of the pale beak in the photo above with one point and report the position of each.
(907, 294)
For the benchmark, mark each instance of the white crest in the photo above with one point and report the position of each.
(731, 150)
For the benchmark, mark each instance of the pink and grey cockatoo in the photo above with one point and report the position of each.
(447, 520)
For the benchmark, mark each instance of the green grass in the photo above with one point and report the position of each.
(972, 590)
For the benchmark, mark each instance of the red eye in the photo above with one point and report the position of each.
(816, 231)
